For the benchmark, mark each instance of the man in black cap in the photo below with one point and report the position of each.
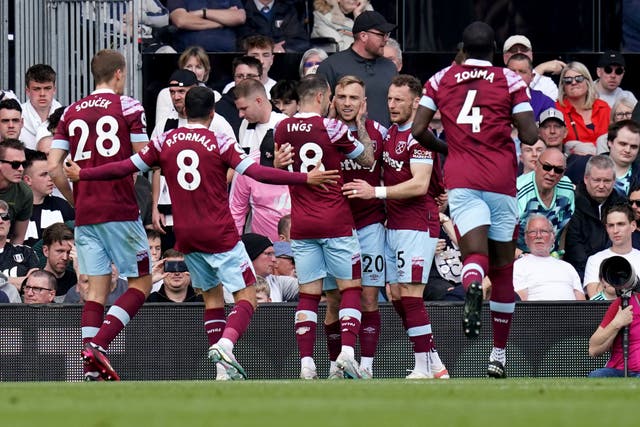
(365, 59)
(611, 68)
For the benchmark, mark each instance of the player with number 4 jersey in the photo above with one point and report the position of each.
(479, 103)
(103, 128)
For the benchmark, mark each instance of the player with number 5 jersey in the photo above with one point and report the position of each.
(103, 128)
(479, 103)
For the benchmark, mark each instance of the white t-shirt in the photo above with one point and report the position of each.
(545, 278)
(592, 270)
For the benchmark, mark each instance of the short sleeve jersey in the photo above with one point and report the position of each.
(97, 130)
(367, 212)
(194, 162)
(477, 102)
(315, 213)
(400, 151)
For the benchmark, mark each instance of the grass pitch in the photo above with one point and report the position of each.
(456, 402)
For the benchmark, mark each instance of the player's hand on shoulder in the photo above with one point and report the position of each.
(72, 170)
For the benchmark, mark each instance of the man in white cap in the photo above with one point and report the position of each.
(552, 128)
(521, 44)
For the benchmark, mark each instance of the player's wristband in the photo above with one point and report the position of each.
(381, 192)
(204, 13)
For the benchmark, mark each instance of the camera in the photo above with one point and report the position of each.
(175, 267)
(620, 274)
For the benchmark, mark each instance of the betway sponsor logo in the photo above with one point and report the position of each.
(395, 164)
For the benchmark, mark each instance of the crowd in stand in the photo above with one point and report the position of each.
(576, 185)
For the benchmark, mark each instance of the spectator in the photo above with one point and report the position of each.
(634, 202)
(620, 224)
(578, 100)
(279, 21)
(157, 263)
(445, 277)
(79, 292)
(260, 48)
(57, 247)
(263, 293)
(529, 155)
(195, 59)
(284, 228)
(16, 261)
(547, 192)
(364, 59)
(177, 282)
(39, 288)
(552, 128)
(285, 263)
(284, 95)
(40, 80)
(610, 71)
(621, 110)
(624, 143)
(263, 258)
(521, 64)
(209, 23)
(538, 276)
(244, 67)
(11, 121)
(586, 234)
(311, 60)
(13, 190)
(335, 19)
(256, 206)
(47, 209)
(521, 44)
(393, 52)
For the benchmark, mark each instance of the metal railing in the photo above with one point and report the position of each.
(66, 34)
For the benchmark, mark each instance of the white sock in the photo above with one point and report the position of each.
(348, 350)
(499, 355)
(333, 366)
(226, 344)
(308, 362)
(366, 363)
(422, 364)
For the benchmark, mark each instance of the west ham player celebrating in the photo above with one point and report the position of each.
(194, 161)
(412, 180)
(479, 103)
(103, 128)
(351, 109)
(322, 227)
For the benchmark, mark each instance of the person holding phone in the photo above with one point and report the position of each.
(176, 287)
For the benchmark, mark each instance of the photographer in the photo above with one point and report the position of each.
(177, 282)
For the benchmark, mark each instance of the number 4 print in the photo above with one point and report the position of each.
(470, 115)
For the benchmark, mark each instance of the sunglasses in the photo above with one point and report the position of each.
(547, 168)
(635, 202)
(5, 216)
(310, 64)
(577, 79)
(15, 164)
(608, 70)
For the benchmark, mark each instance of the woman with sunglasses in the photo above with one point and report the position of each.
(587, 117)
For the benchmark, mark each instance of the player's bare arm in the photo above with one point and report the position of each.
(526, 124)
(420, 131)
(56, 159)
(365, 159)
(416, 186)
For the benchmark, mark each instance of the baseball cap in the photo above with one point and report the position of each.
(552, 113)
(514, 40)
(183, 78)
(611, 57)
(283, 249)
(372, 20)
(255, 244)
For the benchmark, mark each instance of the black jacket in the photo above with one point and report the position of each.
(282, 23)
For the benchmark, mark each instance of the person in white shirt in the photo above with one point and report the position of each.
(620, 224)
(40, 89)
(538, 276)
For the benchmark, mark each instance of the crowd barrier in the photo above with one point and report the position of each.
(168, 342)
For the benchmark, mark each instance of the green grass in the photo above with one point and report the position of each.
(457, 402)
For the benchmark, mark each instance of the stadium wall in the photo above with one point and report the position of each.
(168, 342)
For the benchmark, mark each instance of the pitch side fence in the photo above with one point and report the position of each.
(168, 342)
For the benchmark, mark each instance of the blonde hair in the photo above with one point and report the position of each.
(579, 68)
